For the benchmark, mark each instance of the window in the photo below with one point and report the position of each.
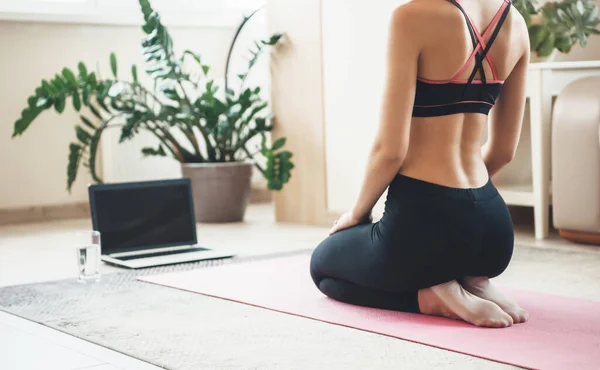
(174, 12)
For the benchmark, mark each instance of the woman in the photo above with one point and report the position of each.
(445, 230)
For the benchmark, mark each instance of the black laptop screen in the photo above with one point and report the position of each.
(146, 215)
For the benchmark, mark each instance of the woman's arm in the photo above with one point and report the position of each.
(506, 118)
(391, 142)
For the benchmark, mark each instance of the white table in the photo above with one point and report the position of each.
(545, 81)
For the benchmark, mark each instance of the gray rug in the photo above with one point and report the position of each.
(174, 329)
(150, 323)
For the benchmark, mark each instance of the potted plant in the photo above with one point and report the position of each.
(207, 130)
(558, 25)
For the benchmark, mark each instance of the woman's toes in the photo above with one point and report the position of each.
(507, 320)
(482, 287)
(499, 321)
(522, 316)
(491, 315)
(517, 314)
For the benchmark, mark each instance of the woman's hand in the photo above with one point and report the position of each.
(348, 220)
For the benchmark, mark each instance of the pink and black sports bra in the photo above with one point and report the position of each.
(444, 97)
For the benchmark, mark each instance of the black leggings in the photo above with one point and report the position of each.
(429, 234)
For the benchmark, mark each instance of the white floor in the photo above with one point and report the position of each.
(25, 345)
(43, 252)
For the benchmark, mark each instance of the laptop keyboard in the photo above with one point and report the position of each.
(160, 254)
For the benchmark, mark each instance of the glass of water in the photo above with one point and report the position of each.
(88, 256)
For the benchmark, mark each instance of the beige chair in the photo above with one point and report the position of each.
(576, 161)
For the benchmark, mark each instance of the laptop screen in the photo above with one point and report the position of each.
(143, 215)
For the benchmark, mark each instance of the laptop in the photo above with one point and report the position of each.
(146, 224)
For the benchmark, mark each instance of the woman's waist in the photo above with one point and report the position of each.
(410, 188)
(454, 171)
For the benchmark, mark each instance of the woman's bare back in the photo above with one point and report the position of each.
(448, 149)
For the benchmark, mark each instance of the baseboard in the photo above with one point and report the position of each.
(44, 213)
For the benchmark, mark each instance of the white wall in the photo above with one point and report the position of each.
(33, 166)
(354, 46)
(354, 50)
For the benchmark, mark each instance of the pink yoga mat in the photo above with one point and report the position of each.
(563, 333)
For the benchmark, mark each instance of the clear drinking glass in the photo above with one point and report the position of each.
(88, 256)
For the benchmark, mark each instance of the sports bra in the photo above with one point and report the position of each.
(444, 97)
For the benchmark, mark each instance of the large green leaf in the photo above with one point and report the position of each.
(103, 89)
(88, 123)
(273, 40)
(278, 144)
(113, 64)
(101, 94)
(27, 116)
(582, 39)
(59, 104)
(547, 45)
(82, 135)
(86, 94)
(69, 77)
(93, 150)
(593, 15)
(92, 80)
(579, 7)
(59, 83)
(75, 154)
(83, 74)
(48, 88)
(563, 44)
(76, 101)
(159, 152)
(537, 34)
(95, 111)
(134, 73)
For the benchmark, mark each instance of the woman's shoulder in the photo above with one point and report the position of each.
(425, 13)
(421, 17)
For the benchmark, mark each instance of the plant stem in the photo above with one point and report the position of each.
(186, 130)
(163, 140)
(104, 125)
(255, 163)
(189, 133)
(167, 136)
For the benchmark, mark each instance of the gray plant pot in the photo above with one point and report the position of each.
(221, 191)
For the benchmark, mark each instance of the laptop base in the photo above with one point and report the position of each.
(149, 259)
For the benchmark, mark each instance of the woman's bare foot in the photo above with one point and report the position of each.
(452, 301)
(483, 288)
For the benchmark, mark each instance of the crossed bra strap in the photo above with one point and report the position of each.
(480, 47)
